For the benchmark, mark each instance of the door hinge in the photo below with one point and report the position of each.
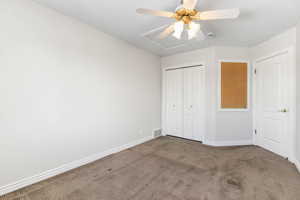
(255, 131)
(255, 71)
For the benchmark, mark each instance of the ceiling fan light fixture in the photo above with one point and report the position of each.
(193, 30)
(178, 29)
(185, 14)
(177, 35)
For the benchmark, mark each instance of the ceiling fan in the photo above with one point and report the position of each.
(186, 14)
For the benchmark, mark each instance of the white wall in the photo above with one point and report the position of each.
(218, 132)
(277, 43)
(298, 93)
(68, 91)
(233, 126)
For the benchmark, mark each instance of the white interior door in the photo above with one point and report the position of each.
(193, 98)
(174, 102)
(271, 104)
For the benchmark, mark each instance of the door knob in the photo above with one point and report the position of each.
(284, 110)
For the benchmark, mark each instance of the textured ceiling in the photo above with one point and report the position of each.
(259, 20)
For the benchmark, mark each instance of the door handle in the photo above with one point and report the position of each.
(283, 110)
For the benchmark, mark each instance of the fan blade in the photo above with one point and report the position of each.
(166, 32)
(155, 12)
(190, 4)
(218, 14)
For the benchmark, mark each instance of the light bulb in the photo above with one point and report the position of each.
(177, 35)
(193, 30)
(178, 29)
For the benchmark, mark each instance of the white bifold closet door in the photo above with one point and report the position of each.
(185, 103)
(174, 105)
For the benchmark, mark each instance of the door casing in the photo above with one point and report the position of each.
(291, 103)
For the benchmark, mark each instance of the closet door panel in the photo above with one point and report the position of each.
(188, 104)
(199, 103)
(174, 102)
(194, 101)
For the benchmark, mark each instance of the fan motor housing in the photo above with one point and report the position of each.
(185, 15)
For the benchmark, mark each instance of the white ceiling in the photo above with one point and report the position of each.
(259, 20)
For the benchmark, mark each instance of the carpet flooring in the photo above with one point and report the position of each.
(174, 169)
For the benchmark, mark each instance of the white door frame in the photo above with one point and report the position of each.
(163, 114)
(291, 87)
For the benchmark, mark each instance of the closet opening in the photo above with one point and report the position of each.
(184, 102)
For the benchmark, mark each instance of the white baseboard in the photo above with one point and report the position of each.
(297, 163)
(229, 143)
(66, 167)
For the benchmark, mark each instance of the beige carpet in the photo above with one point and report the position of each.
(174, 169)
